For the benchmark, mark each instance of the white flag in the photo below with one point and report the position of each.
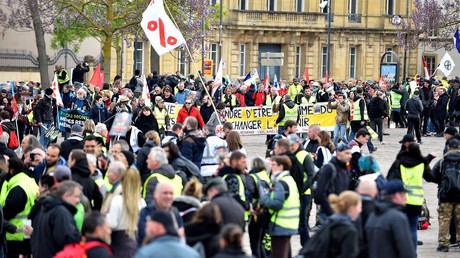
(218, 79)
(146, 93)
(255, 76)
(446, 66)
(159, 28)
(56, 93)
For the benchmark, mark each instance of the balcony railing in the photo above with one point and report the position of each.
(261, 18)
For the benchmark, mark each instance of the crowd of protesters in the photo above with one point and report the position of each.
(185, 189)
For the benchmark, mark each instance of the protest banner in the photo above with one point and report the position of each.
(261, 120)
(67, 118)
(121, 124)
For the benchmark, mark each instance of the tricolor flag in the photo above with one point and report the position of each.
(275, 82)
(457, 40)
(56, 93)
(425, 68)
(247, 80)
(217, 79)
(146, 93)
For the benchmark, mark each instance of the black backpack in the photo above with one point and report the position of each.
(450, 183)
(320, 245)
(133, 83)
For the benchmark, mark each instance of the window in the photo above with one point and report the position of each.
(323, 62)
(297, 61)
(214, 2)
(323, 10)
(389, 57)
(271, 5)
(353, 7)
(353, 59)
(213, 49)
(390, 8)
(242, 60)
(299, 5)
(431, 63)
(182, 61)
(139, 56)
(243, 4)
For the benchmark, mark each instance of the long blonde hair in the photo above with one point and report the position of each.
(131, 185)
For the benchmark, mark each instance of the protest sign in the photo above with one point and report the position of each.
(67, 118)
(121, 124)
(261, 120)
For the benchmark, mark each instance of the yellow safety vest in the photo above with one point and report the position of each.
(176, 182)
(312, 100)
(160, 115)
(301, 155)
(31, 189)
(261, 175)
(269, 102)
(288, 216)
(356, 113)
(241, 192)
(66, 79)
(395, 100)
(233, 100)
(412, 179)
(294, 90)
(289, 114)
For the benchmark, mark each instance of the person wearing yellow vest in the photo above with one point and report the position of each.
(161, 171)
(229, 99)
(411, 167)
(17, 198)
(284, 204)
(294, 89)
(62, 76)
(306, 97)
(306, 161)
(160, 113)
(234, 176)
(288, 111)
(273, 99)
(395, 100)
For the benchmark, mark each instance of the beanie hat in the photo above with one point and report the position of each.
(49, 91)
(129, 157)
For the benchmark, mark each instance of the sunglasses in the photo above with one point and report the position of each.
(188, 102)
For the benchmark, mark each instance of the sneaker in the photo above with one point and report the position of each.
(443, 249)
(419, 242)
(385, 133)
(382, 143)
(419, 142)
(454, 245)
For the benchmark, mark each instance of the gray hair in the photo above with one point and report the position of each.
(33, 141)
(67, 187)
(124, 145)
(117, 167)
(100, 127)
(159, 154)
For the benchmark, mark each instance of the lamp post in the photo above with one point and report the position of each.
(220, 32)
(328, 57)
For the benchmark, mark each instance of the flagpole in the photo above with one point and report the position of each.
(194, 64)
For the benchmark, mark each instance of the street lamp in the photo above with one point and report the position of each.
(327, 4)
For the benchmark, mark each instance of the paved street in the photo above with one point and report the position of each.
(385, 156)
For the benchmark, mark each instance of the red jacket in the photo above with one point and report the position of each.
(240, 97)
(184, 113)
(259, 98)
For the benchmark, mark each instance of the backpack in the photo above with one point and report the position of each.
(330, 185)
(133, 83)
(78, 250)
(13, 142)
(450, 182)
(424, 219)
(319, 245)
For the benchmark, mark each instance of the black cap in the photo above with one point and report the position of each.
(451, 130)
(394, 186)
(165, 219)
(48, 91)
(129, 157)
(407, 138)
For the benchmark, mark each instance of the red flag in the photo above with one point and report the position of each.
(15, 106)
(425, 67)
(306, 76)
(266, 81)
(98, 77)
(326, 80)
(382, 82)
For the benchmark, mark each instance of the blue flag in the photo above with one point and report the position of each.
(457, 41)
(247, 80)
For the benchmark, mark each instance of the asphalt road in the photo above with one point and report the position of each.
(385, 155)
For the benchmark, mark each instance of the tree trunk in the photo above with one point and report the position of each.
(40, 42)
(107, 52)
(118, 49)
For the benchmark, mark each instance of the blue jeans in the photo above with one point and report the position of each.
(305, 201)
(339, 134)
(370, 146)
(44, 142)
(413, 223)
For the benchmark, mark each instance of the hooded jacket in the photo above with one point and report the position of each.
(388, 234)
(54, 227)
(82, 175)
(165, 170)
(184, 113)
(344, 242)
(74, 142)
(377, 108)
(439, 169)
(414, 107)
(282, 113)
(205, 232)
(192, 147)
(146, 123)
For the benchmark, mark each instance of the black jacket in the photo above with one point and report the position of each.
(74, 142)
(192, 147)
(98, 114)
(388, 234)
(45, 111)
(441, 104)
(141, 160)
(79, 73)
(377, 108)
(426, 96)
(344, 242)
(146, 123)
(82, 175)
(4, 150)
(205, 232)
(232, 252)
(231, 210)
(54, 227)
(414, 107)
(206, 112)
(439, 170)
(325, 184)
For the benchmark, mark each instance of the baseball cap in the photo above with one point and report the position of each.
(165, 219)
(77, 128)
(343, 147)
(407, 138)
(62, 173)
(394, 186)
(293, 138)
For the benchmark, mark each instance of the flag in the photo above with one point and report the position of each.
(227, 80)
(255, 76)
(146, 93)
(275, 82)
(306, 76)
(425, 68)
(218, 80)
(326, 80)
(15, 104)
(56, 93)
(457, 41)
(266, 81)
(98, 77)
(247, 80)
(159, 29)
(382, 82)
(446, 65)
(236, 83)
